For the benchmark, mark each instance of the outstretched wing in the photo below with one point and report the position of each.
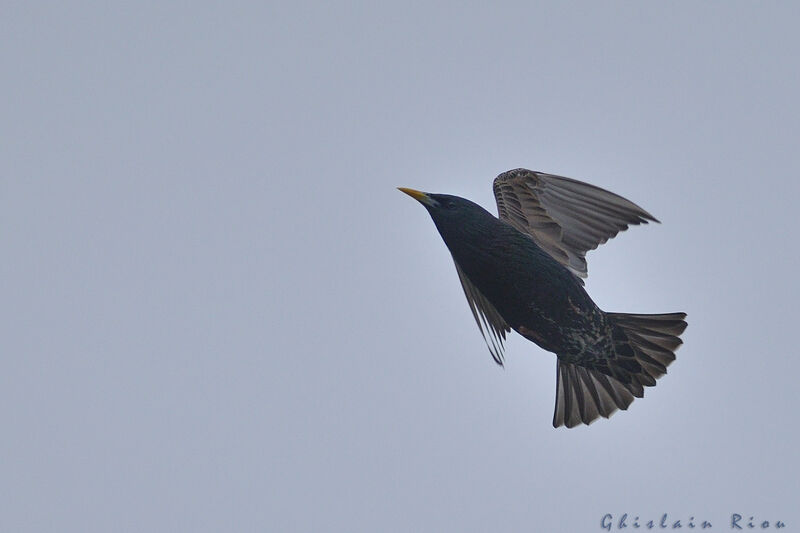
(486, 316)
(566, 217)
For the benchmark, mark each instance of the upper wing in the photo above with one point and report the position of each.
(485, 314)
(566, 217)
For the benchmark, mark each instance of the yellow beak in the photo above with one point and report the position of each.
(419, 196)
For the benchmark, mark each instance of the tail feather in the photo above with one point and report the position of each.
(644, 346)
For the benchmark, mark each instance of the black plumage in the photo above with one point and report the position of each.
(523, 271)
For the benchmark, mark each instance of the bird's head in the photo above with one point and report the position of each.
(451, 214)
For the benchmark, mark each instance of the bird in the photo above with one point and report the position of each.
(523, 270)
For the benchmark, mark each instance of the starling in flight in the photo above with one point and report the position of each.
(523, 271)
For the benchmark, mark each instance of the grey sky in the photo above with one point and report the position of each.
(220, 315)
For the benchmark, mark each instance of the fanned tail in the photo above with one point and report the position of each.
(644, 346)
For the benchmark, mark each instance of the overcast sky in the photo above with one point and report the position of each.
(220, 315)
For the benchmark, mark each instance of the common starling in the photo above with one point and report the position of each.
(523, 271)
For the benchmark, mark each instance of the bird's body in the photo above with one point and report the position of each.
(522, 271)
(544, 302)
